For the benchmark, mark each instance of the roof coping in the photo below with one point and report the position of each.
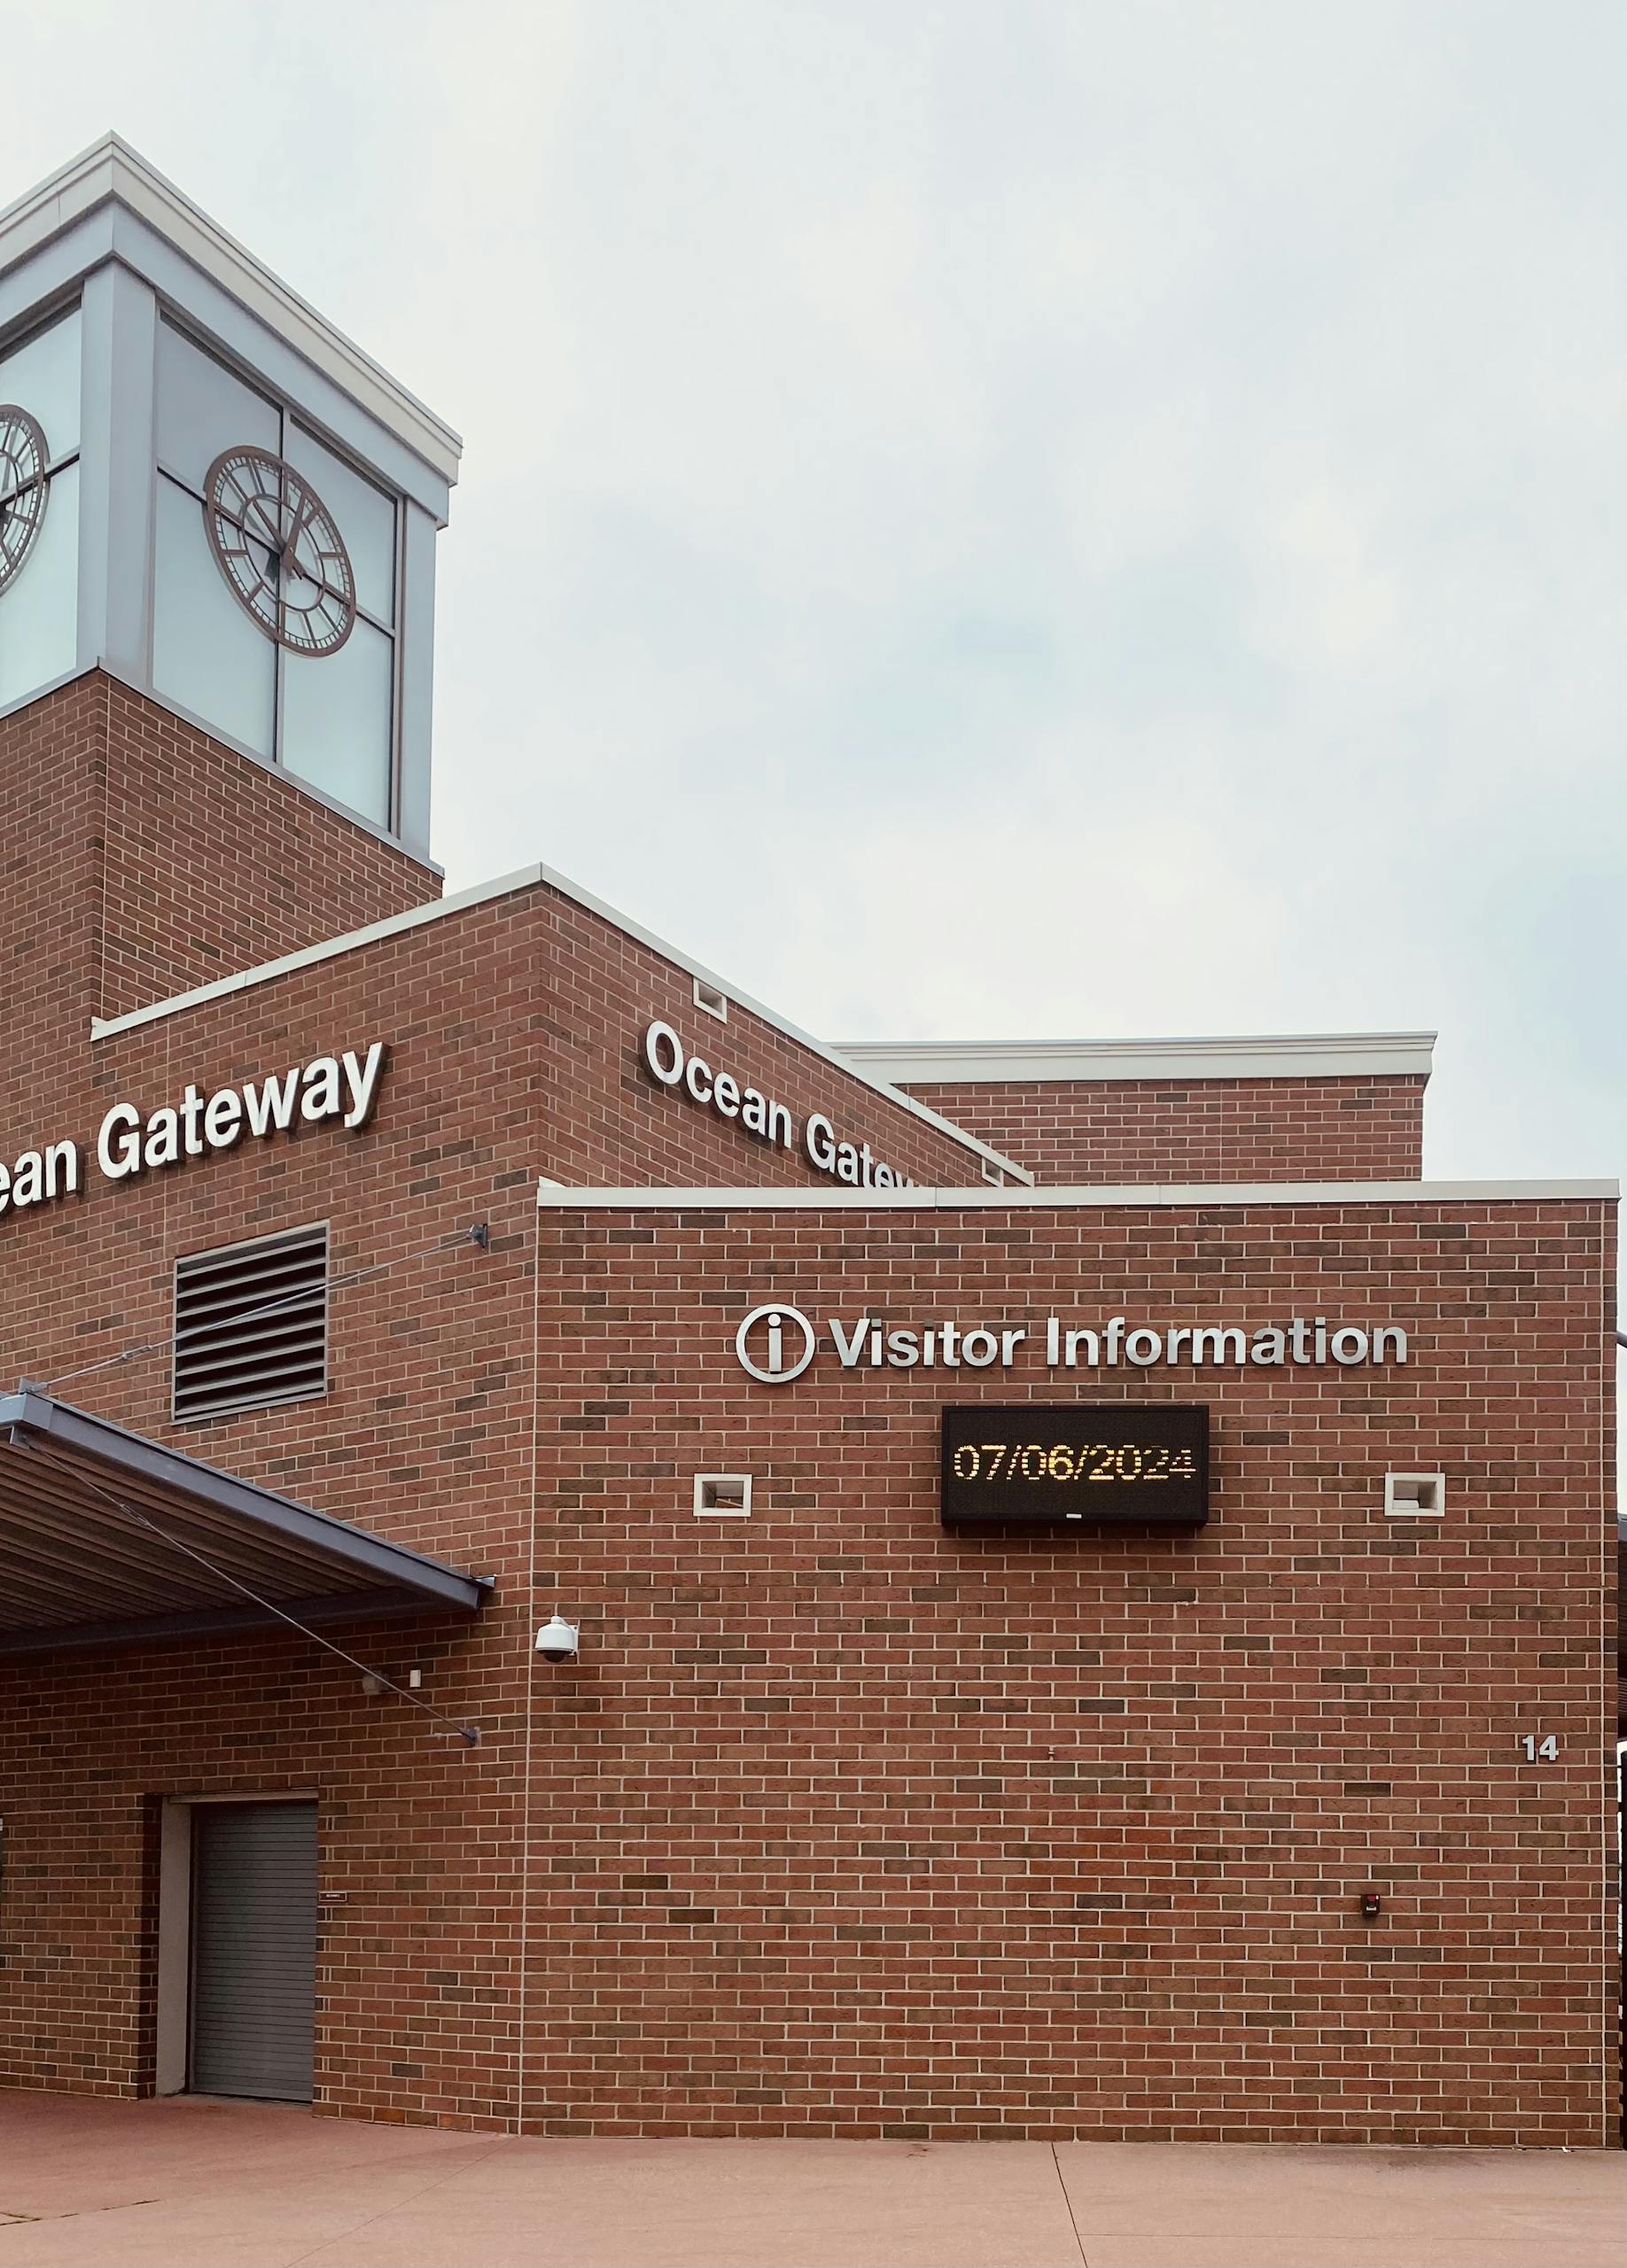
(996, 1062)
(1068, 1197)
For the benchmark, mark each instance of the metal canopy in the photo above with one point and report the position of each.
(79, 1567)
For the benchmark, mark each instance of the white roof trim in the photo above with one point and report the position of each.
(110, 169)
(508, 885)
(1068, 1197)
(1310, 1055)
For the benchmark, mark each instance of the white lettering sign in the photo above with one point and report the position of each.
(825, 1150)
(777, 1343)
(131, 1141)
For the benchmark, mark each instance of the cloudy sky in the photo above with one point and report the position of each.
(1000, 517)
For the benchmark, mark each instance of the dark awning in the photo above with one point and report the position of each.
(77, 1569)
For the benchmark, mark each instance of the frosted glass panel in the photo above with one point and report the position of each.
(336, 720)
(43, 377)
(207, 654)
(39, 613)
(203, 409)
(365, 516)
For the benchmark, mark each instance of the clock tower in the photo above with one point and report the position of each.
(210, 498)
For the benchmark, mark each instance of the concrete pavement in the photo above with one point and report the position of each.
(86, 2183)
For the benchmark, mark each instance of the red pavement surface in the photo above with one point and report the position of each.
(114, 2184)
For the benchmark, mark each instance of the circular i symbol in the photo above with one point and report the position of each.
(780, 1323)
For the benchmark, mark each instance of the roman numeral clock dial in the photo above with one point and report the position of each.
(277, 545)
(23, 490)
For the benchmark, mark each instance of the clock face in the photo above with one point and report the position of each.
(277, 545)
(23, 488)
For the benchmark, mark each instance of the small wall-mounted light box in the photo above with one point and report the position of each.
(993, 1173)
(714, 1001)
(722, 1496)
(1415, 1495)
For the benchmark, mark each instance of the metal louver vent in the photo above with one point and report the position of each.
(252, 1324)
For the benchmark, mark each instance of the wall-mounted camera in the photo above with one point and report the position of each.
(556, 1641)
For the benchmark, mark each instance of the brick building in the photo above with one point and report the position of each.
(391, 1274)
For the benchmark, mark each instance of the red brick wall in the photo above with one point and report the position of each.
(213, 863)
(846, 1825)
(1162, 1130)
(852, 1826)
(51, 758)
(162, 860)
(858, 1827)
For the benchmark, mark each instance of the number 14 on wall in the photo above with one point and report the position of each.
(1540, 1751)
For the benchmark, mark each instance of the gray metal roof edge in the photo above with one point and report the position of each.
(1221, 1056)
(374, 1556)
(1059, 1196)
(388, 1603)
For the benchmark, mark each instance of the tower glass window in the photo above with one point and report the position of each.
(39, 508)
(276, 583)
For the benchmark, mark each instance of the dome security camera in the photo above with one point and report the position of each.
(556, 1639)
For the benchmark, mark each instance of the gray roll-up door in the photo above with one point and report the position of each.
(253, 2001)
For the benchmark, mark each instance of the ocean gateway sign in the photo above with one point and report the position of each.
(337, 1090)
(852, 1162)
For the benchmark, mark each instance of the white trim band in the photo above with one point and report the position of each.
(417, 917)
(559, 1197)
(1000, 1062)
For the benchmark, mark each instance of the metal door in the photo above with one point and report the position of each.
(253, 1996)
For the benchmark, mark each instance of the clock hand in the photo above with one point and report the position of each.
(280, 549)
(331, 590)
(303, 517)
(291, 567)
(240, 521)
(280, 560)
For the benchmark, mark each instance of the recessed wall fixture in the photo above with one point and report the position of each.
(1415, 1495)
(722, 1496)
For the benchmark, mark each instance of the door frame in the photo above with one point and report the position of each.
(174, 2044)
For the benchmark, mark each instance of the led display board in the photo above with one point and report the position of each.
(1112, 1465)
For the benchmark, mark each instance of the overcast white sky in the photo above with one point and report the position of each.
(1001, 517)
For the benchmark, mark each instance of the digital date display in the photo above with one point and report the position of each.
(1112, 1465)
